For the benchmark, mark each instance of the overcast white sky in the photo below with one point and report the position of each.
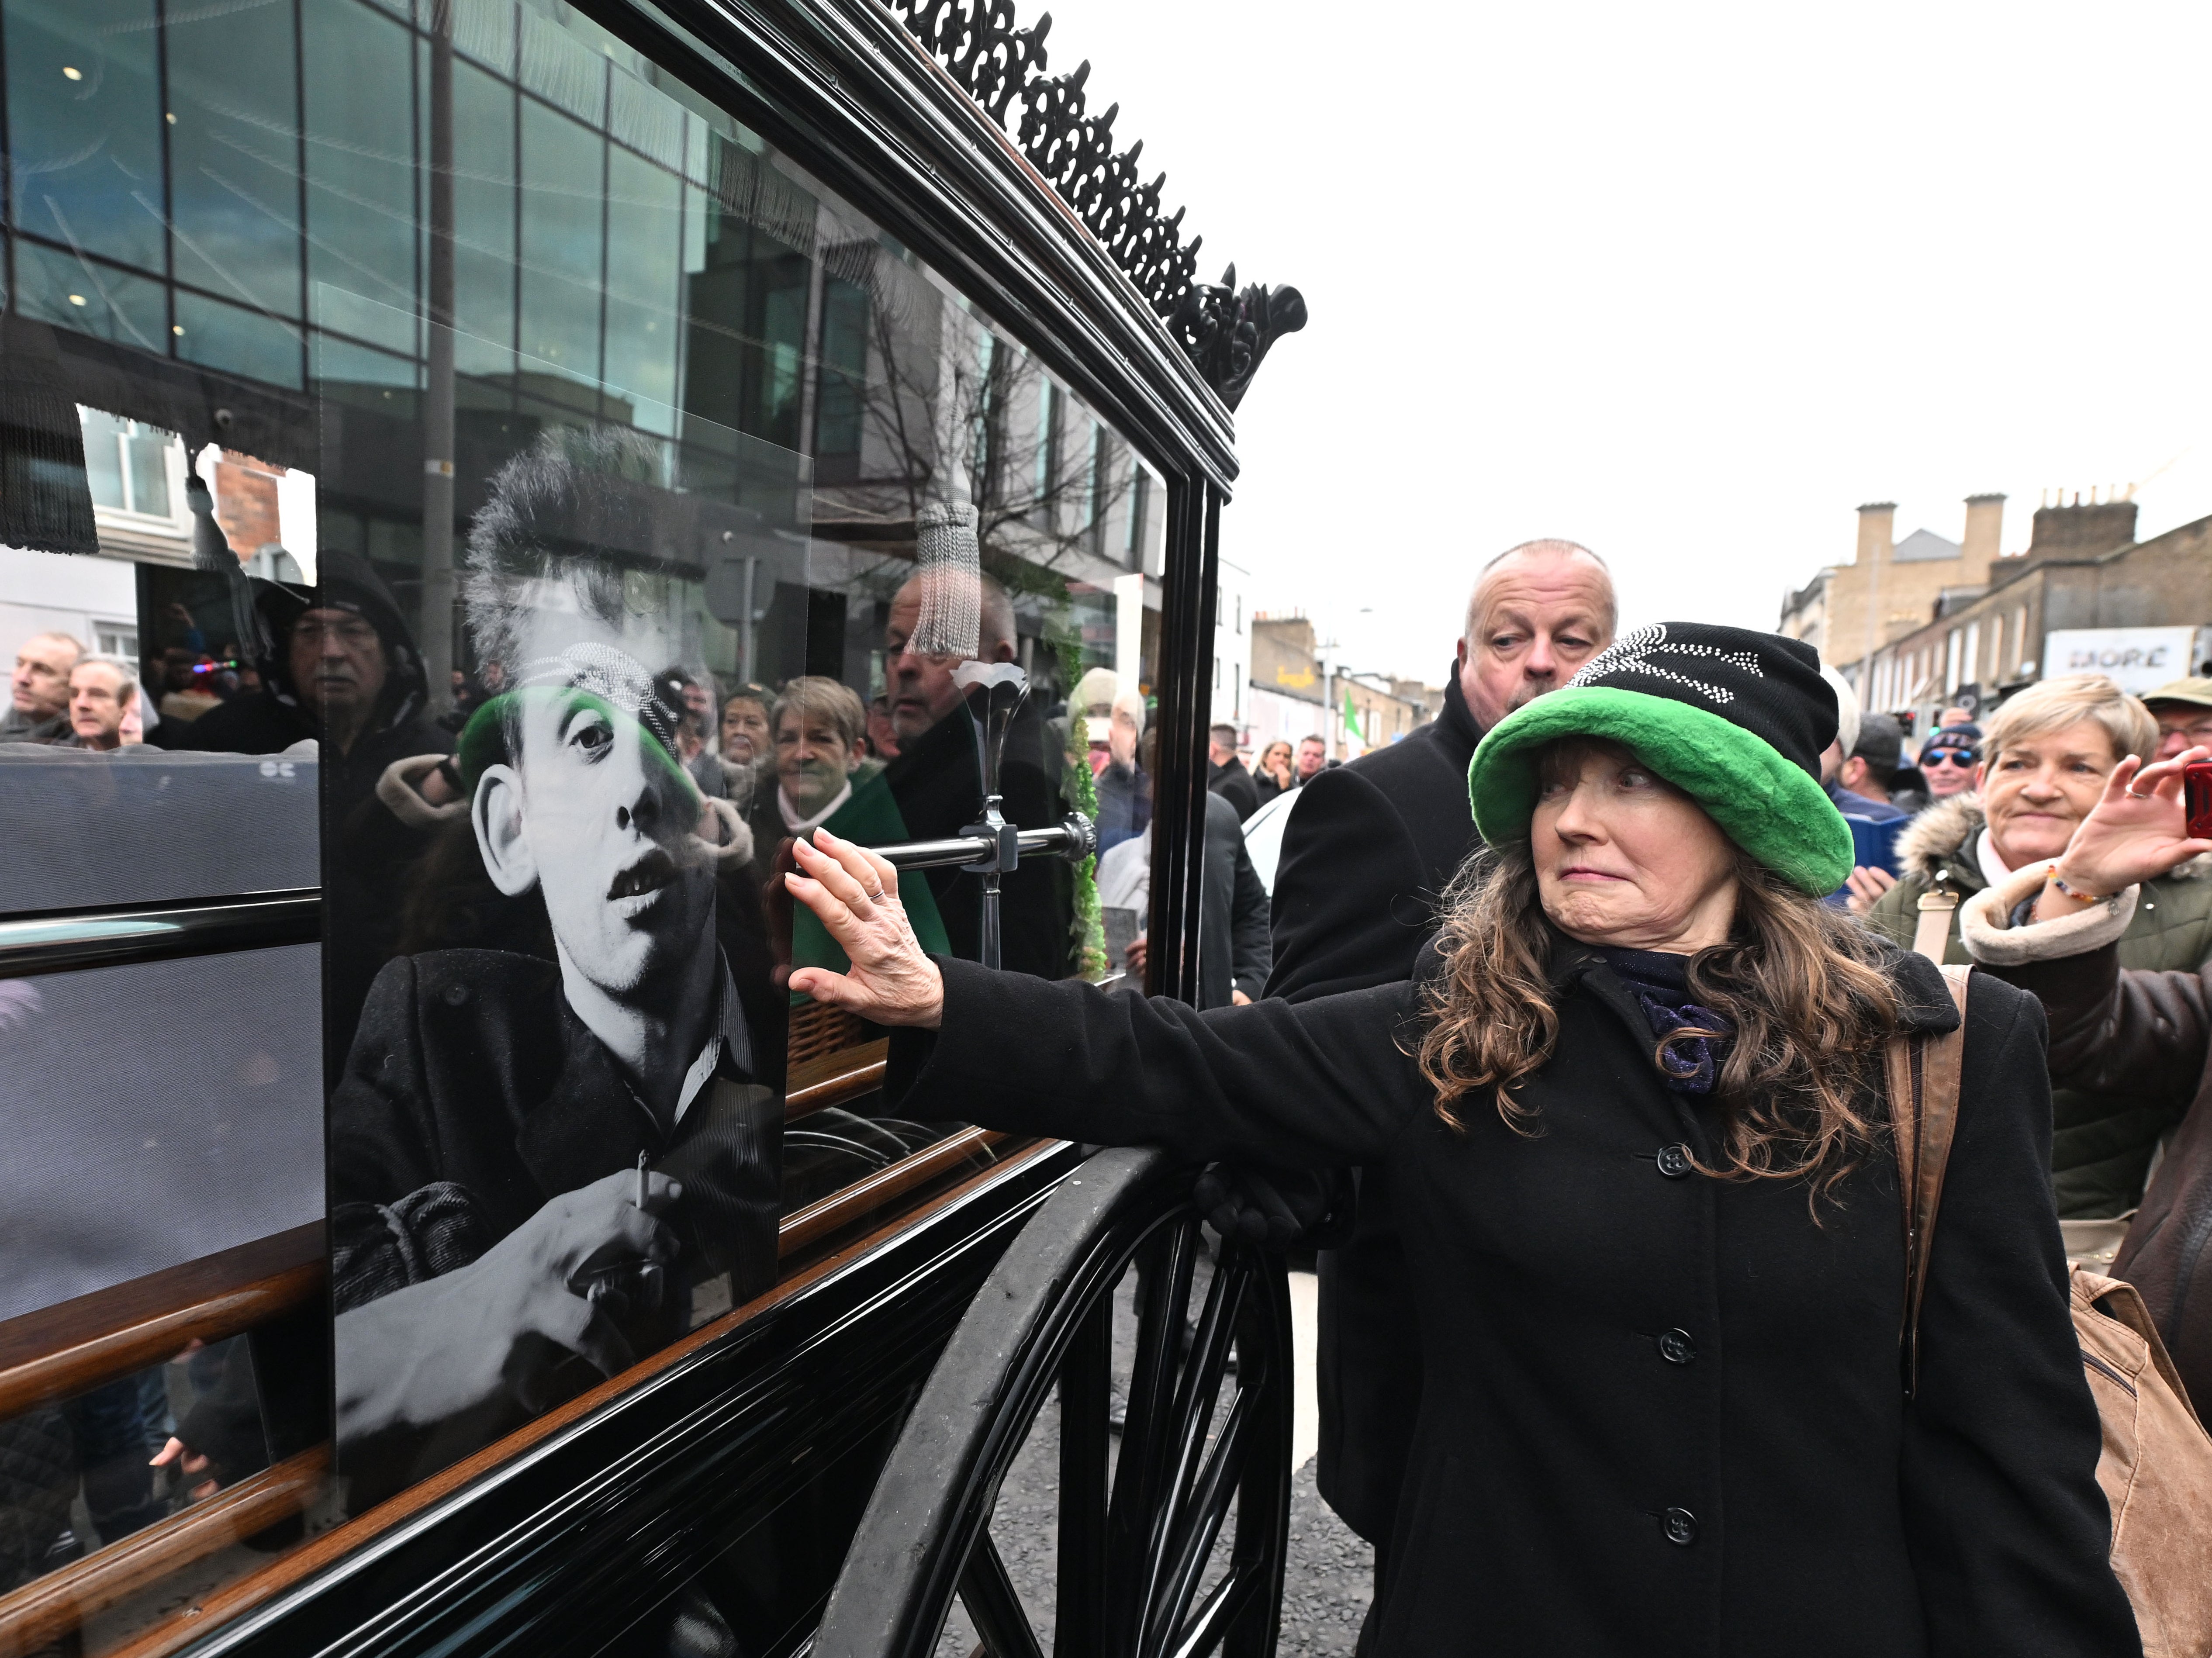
(1685, 282)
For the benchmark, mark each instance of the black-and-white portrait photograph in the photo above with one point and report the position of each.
(556, 1136)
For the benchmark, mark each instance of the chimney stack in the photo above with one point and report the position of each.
(1877, 532)
(1984, 528)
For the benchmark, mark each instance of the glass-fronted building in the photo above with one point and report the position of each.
(477, 481)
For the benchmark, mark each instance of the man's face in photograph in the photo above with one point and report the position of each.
(605, 813)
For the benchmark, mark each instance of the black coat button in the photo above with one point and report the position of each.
(1674, 1161)
(456, 995)
(1677, 1347)
(1681, 1526)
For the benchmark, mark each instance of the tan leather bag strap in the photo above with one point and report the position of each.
(1923, 1074)
(1932, 932)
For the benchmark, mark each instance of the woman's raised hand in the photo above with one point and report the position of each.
(855, 894)
(2136, 832)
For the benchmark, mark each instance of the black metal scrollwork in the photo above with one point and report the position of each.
(1226, 333)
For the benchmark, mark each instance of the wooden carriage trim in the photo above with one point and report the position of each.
(73, 1346)
(835, 1078)
(50, 1606)
(77, 1345)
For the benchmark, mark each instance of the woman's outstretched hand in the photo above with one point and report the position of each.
(855, 894)
(2138, 831)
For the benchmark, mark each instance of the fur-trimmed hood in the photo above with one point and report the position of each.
(1947, 830)
(1944, 831)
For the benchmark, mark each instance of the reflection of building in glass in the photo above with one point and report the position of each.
(246, 190)
(1296, 692)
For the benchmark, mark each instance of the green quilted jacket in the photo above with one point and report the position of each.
(2101, 1144)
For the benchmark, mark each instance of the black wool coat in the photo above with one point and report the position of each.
(1369, 849)
(1661, 1413)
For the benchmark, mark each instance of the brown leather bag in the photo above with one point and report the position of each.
(2156, 1465)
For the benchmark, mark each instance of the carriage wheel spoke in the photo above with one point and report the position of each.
(1086, 1399)
(1195, 1397)
(1163, 1302)
(993, 1607)
(1183, 1565)
(1231, 1599)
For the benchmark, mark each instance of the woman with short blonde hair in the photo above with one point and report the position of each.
(824, 698)
(2046, 755)
(2053, 705)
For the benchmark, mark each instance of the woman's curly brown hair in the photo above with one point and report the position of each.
(1808, 1007)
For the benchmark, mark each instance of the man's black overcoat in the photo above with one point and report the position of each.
(1368, 851)
(1661, 1413)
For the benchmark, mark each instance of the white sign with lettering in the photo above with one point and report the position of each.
(2139, 659)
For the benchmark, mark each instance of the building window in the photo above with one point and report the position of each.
(1970, 667)
(1047, 451)
(840, 401)
(116, 638)
(1951, 662)
(1094, 488)
(127, 465)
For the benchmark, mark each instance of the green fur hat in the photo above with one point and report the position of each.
(1737, 720)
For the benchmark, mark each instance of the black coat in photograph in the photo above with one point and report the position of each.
(1369, 849)
(473, 1094)
(1661, 1413)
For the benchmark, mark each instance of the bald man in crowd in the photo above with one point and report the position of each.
(38, 689)
(1368, 852)
(937, 781)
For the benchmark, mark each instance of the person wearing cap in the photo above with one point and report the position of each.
(1631, 1110)
(1949, 759)
(2045, 759)
(2183, 708)
(1844, 767)
(1875, 765)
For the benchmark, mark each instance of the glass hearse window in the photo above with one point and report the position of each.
(508, 658)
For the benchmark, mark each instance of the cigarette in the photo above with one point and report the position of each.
(641, 1180)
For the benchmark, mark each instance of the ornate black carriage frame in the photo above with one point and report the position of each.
(942, 123)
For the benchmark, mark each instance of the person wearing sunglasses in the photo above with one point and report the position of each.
(1948, 759)
(2045, 757)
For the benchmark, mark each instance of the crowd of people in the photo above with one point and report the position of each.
(1587, 986)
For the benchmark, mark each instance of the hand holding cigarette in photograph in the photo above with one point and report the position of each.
(891, 980)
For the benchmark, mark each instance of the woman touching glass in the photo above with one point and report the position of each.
(1651, 1209)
